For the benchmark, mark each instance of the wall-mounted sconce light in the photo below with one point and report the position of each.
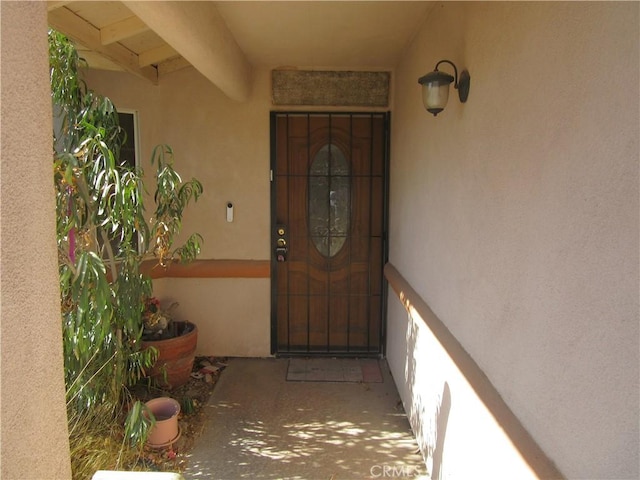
(435, 87)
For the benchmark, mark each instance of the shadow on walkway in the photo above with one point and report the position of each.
(261, 426)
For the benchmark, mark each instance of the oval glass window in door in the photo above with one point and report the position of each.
(329, 197)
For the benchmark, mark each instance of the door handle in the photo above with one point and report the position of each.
(281, 254)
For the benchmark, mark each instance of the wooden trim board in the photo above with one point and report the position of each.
(210, 269)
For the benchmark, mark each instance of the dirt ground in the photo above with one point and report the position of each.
(192, 397)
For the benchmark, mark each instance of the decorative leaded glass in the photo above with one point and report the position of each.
(329, 195)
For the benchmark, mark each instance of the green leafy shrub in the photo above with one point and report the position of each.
(103, 238)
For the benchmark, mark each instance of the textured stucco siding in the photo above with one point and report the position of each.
(33, 437)
(515, 217)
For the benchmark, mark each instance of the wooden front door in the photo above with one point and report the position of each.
(329, 193)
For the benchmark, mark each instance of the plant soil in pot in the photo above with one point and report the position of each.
(176, 354)
(165, 432)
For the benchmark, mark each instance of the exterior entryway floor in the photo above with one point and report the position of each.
(262, 426)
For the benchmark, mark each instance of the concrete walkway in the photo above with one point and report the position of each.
(261, 426)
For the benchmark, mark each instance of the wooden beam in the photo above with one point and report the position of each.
(199, 33)
(172, 66)
(209, 269)
(53, 4)
(123, 29)
(81, 31)
(156, 55)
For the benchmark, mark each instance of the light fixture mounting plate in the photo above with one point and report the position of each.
(464, 83)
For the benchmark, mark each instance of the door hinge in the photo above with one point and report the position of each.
(271, 175)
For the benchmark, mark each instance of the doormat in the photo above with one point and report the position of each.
(353, 370)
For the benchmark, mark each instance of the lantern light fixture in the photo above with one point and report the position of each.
(435, 87)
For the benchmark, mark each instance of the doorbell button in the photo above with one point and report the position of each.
(229, 212)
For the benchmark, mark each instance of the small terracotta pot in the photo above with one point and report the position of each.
(165, 431)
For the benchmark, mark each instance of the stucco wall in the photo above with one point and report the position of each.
(33, 433)
(225, 144)
(515, 217)
(463, 428)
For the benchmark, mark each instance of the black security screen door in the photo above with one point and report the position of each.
(329, 223)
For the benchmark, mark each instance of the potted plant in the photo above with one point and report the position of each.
(174, 340)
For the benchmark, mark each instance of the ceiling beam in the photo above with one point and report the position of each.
(123, 29)
(199, 34)
(172, 65)
(53, 4)
(157, 55)
(81, 31)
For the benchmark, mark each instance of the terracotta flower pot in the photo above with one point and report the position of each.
(175, 355)
(165, 431)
